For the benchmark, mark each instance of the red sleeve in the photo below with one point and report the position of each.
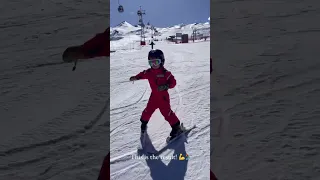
(97, 46)
(142, 75)
(171, 81)
(105, 169)
(212, 176)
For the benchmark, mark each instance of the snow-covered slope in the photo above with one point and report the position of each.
(265, 90)
(189, 63)
(53, 121)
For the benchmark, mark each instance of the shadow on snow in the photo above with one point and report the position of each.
(175, 170)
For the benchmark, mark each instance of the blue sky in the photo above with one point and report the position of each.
(160, 13)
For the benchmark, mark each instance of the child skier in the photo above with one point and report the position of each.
(160, 80)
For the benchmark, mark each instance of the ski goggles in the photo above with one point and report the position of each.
(155, 62)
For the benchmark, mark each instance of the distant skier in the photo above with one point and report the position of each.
(152, 44)
(160, 81)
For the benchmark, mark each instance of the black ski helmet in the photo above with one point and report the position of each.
(157, 53)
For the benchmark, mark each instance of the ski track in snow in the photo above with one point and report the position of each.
(54, 122)
(265, 103)
(190, 101)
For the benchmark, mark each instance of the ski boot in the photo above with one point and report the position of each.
(176, 130)
(143, 126)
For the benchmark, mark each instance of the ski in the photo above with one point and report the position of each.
(168, 141)
(143, 147)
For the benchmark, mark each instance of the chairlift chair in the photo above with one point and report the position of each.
(120, 9)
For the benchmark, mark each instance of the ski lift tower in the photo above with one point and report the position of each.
(140, 13)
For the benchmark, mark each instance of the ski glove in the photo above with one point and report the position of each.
(163, 87)
(133, 78)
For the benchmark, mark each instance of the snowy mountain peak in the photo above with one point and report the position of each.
(124, 24)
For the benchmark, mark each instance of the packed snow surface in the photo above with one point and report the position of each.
(265, 106)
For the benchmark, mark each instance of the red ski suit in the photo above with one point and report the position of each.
(159, 99)
(105, 169)
(97, 46)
